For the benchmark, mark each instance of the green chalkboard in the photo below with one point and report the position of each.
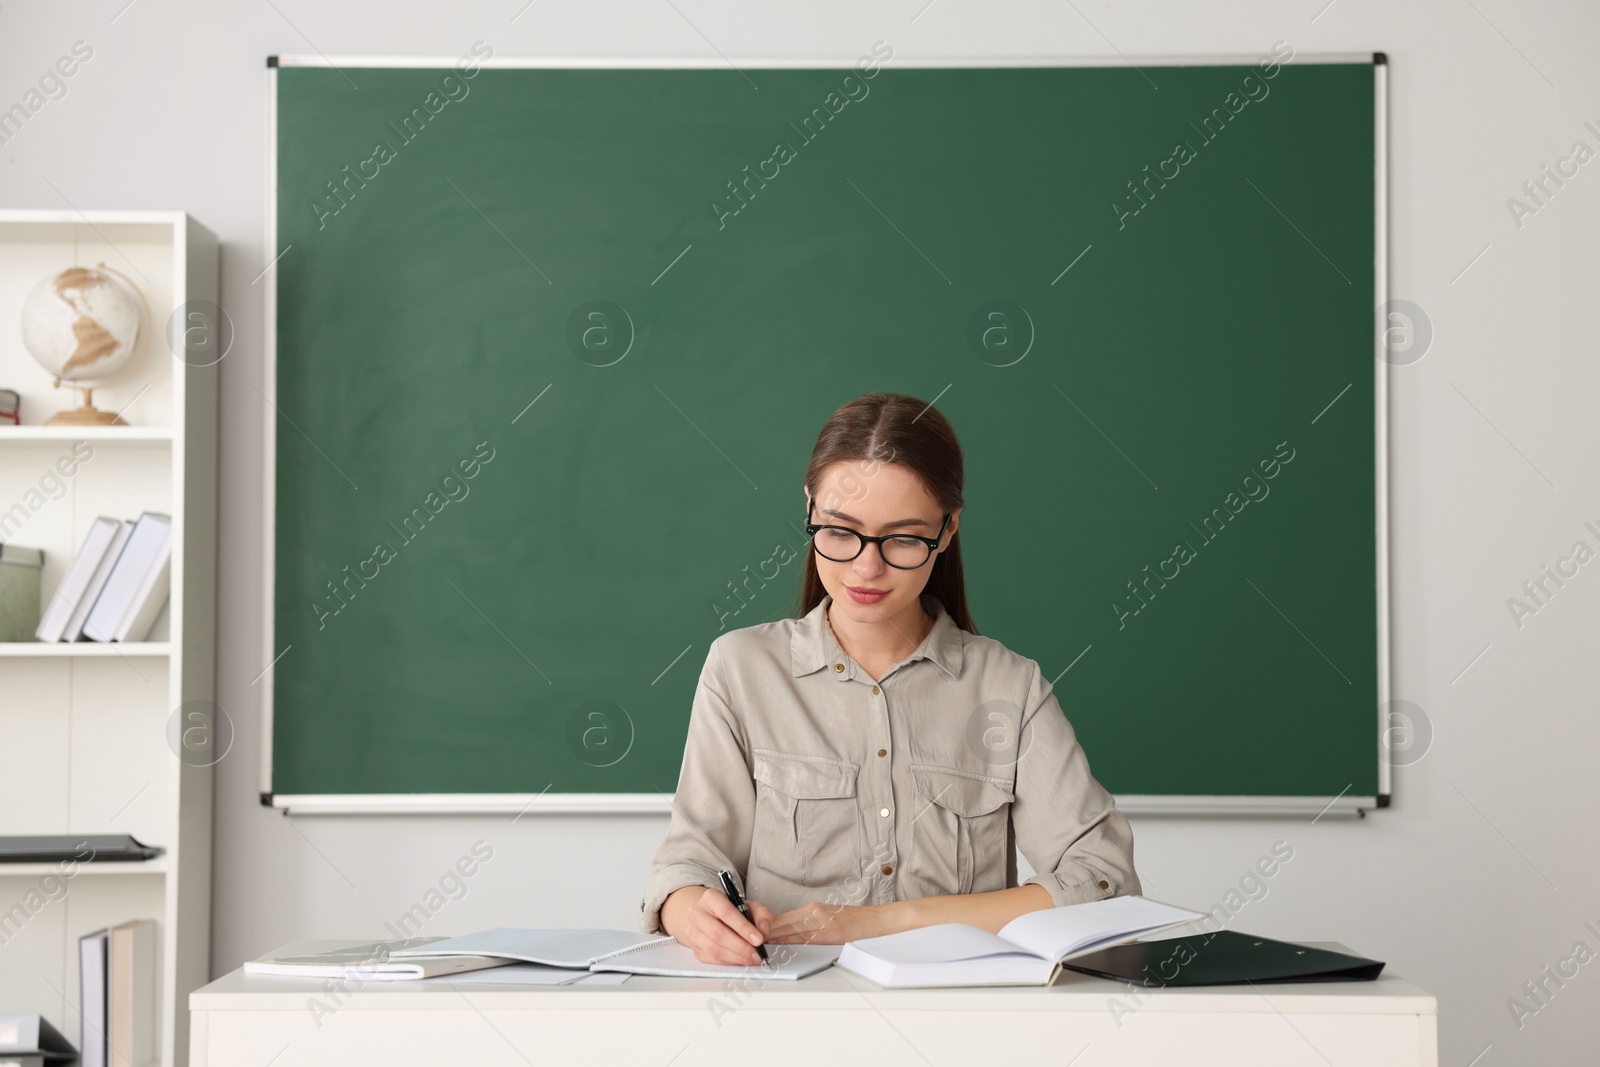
(547, 385)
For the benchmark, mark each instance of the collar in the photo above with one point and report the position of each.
(813, 646)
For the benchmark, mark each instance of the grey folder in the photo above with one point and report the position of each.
(84, 848)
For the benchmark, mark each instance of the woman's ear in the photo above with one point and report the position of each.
(950, 533)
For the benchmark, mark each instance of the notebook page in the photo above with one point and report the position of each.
(556, 948)
(1055, 933)
(944, 943)
(672, 960)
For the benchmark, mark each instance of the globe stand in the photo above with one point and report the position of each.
(87, 415)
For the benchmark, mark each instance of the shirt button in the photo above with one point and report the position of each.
(838, 668)
(1104, 884)
(887, 869)
(874, 690)
(883, 752)
(885, 813)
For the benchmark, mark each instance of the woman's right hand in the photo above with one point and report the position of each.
(706, 921)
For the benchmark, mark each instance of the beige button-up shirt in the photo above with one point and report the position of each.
(812, 781)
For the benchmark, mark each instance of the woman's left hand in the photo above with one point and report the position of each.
(828, 924)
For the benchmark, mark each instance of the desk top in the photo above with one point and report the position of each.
(830, 989)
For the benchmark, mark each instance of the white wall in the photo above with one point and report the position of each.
(1484, 870)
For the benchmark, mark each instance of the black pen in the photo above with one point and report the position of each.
(732, 889)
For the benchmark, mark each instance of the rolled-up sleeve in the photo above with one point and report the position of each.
(1067, 825)
(714, 808)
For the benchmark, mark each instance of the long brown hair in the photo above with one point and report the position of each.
(893, 428)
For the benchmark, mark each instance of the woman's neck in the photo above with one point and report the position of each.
(882, 642)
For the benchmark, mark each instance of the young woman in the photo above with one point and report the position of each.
(874, 765)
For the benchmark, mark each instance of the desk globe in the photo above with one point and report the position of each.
(86, 326)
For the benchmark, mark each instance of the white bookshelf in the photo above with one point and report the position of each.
(86, 724)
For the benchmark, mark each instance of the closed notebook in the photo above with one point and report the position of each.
(1224, 957)
(1027, 951)
(372, 962)
(623, 951)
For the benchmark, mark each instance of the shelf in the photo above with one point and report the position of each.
(104, 867)
(144, 434)
(90, 716)
(72, 649)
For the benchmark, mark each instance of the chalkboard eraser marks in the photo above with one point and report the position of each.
(80, 848)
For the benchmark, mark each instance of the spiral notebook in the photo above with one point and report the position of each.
(619, 950)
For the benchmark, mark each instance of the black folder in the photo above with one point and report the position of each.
(1225, 957)
(84, 848)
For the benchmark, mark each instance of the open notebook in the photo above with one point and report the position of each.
(1027, 951)
(618, 950)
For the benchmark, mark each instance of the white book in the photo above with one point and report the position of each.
(80, 612)
(150, 599)
(138, 573)
(70, 593)
(131, 994)
(92, 951)
(1027, 951)
(370, 962)
(625, 952)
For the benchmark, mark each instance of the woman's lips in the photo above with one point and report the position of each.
(866, 596)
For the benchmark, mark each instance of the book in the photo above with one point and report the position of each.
(70, 593)
(1028, 950)
(370, 962)
(625, 952)
(1224, 957)
(92, 995)
(80, 612)
(137, 588)
(131, 994)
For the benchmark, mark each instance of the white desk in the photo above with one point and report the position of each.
(832, 1018)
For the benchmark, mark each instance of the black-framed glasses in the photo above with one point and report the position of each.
(904, 552)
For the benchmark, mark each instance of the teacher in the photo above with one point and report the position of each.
(873, 765)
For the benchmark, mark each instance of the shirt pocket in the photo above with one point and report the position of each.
(958, 832)
(807, 823)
